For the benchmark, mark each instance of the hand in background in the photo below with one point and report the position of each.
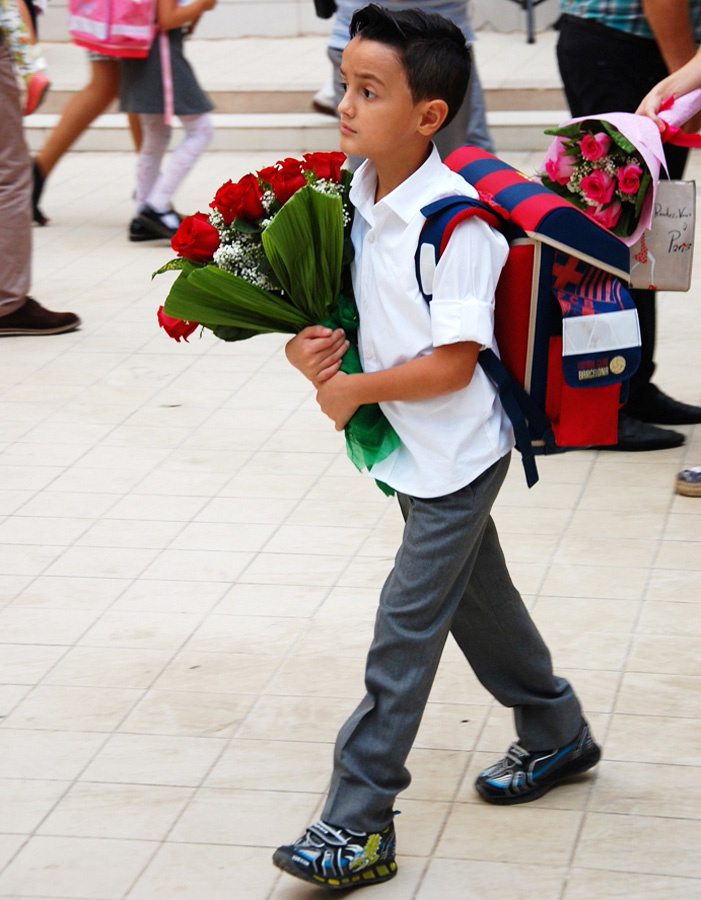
(683, 80)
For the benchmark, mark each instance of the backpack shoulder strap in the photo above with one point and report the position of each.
(528, 421)
(442, 217)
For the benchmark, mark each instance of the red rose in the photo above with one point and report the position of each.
(196, 238)
(325, 165)
(176, 328)
(289, 166)
(242, 199)
(267, 173)
(284, 184)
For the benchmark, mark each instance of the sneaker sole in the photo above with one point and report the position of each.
(581, 765)
(689, 489)
(372, 875)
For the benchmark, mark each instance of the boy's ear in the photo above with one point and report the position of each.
(432, 117)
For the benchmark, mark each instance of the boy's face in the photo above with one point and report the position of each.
(378, 113)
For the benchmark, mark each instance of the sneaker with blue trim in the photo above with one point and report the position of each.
(524, 775)
(338, 857)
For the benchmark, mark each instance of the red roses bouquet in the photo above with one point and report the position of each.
(268, 258)
(597, 168)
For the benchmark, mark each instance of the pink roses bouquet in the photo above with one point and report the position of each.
(609, 165)
(598, 169)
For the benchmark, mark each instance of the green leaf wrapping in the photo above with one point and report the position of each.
(618, 138)
(304, 244)
(173, 265)
(369, 436)
(214, 297)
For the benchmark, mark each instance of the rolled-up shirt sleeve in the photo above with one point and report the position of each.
(462, 308)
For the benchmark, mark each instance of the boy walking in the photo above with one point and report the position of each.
(405, 75)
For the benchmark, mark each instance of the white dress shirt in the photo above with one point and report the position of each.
(448, 440)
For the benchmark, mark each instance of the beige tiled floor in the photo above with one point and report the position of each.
(189, 568)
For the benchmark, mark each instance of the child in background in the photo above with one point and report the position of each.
(142, 91)
(405, 76)
(78, 113)
(18, 35)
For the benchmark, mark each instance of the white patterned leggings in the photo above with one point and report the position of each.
(154, 186)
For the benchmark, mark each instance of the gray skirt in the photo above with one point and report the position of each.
(141, 85)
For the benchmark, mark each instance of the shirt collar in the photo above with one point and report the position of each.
(414, 192)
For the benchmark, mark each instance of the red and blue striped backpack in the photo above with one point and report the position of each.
(566, 327)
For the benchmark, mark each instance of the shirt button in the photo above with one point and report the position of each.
(371, 238)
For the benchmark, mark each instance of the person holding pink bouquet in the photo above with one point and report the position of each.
(610, 54)
(685, 79)
(680, 82)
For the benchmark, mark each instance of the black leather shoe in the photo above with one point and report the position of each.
(33, 318)
(138, 231)
(652, 405)
(634, 435)
(155, 222)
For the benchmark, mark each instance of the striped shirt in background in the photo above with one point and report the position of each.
(625, 15)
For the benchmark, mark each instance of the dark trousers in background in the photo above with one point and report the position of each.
(607, 70)
(15, 194)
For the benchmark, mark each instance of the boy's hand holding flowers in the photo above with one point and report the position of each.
(334, 398)
(317, 352)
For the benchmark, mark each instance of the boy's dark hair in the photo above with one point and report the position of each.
(431, 49)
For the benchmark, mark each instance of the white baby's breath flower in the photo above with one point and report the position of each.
(217, 219)
(243, 255)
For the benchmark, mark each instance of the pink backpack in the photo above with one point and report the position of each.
(113, 27)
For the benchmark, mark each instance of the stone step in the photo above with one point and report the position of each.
(520, 130)
(299, 100)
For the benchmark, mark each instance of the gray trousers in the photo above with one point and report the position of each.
(449, 576)
(15, 194)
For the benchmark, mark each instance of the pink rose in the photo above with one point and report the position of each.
(595, 146)
(629, 178)
(559, 168)
(605, 215)
(598, 186)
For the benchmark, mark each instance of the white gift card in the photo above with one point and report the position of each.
(663, 256)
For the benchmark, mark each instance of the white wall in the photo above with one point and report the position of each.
(284, 18)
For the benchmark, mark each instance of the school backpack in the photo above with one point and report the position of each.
(566, 327)
(113, 27)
